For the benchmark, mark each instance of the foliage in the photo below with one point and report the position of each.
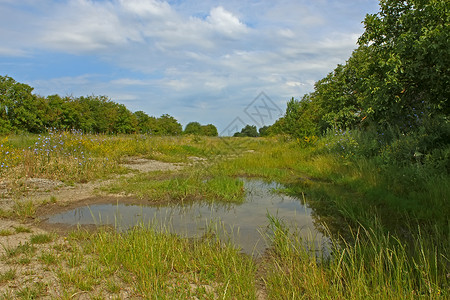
(196, 128)
(22, 111)
(193, 128)
(406, 77)
(247, 131)
(19, 109)
(392, 92)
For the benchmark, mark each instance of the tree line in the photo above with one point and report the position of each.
(23, 111)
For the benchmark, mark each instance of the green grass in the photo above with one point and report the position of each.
(34, 291)
(24, 209)
(49, 258)
(167, 266)
(26, 249)
(22, 229)
(373, 266)
(42, 238)
(6, 232)
(7, 275)
(174, 187)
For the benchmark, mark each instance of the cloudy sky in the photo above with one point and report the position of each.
(205, 61)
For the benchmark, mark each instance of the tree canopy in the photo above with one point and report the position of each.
(21, 110)
(196, 128)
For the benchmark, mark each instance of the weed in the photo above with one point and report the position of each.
(6, 232)
(25, 248)
(49, 258)
(24, 261)
(112, 286)
(22, 229)
(24, 209)
(31, 292)
(41, 238)
(7, 275)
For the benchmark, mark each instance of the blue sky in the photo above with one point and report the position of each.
(204, 61)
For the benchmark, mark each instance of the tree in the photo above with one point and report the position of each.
(169, 125)
(193, 128)
(19, 106)
(247, 131)
(143, 122)
(209, 130)
(406, 79)
(263, 131)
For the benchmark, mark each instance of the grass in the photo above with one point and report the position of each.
(389, 225)
(374, 266)
(49, 258)
(22, 229)
(7, 275)
(41, 238)
(6, 232)
(25, 248)
(165, 265)
(168, 187)
(33, 291)
(24, 209)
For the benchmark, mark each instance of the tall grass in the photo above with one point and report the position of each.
(167, 266)
(373, 266)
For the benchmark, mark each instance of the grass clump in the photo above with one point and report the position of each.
(22, 229)
(24, 209)
(7, 275)
(37, 289)
(49, 258)
(6, 232)
(42, 238)
(25, 248)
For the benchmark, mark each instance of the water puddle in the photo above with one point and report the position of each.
(244, 224)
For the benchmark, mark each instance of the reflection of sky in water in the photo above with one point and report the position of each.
(246, 221)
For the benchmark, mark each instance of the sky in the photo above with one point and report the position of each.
(228, 63)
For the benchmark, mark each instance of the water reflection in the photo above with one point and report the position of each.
(243, 224)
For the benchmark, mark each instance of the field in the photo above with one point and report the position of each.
(389, 227)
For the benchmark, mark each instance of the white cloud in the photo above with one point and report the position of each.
(147, 8)
(86, 26)
(225, 22)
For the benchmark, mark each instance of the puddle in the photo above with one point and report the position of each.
(244, 224)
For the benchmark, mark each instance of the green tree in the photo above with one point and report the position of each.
(168, 125)
(406, 79)
(193, 128)
(143, 122)
(247, 131)
(19, 106)
(264, 131)
(209, 130)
